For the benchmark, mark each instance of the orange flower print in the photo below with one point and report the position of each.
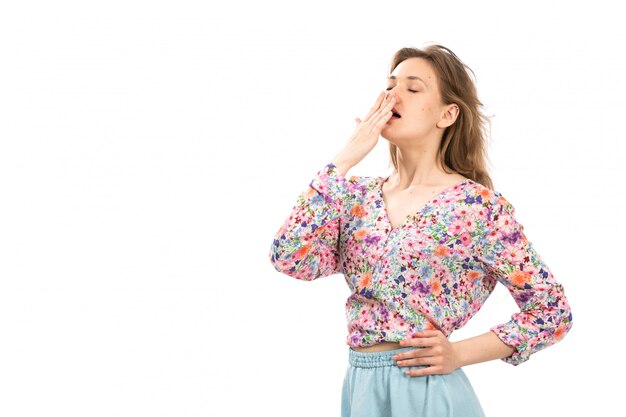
(365, 280)
(519, 278)
(360, 234)
(302, 252)
(442, 250)
(436, 286)
(358, 211)
(473, 274)
(559, 333)
(485, 193)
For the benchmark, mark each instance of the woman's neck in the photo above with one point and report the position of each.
(418, 167)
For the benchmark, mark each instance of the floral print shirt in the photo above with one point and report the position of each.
(433, 271)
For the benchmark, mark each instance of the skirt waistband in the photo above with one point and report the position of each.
(376, 359)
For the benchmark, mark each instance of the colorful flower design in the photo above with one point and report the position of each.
(433, 271)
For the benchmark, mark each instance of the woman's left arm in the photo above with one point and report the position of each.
(544, 316)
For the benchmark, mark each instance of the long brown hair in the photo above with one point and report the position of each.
(463, 147)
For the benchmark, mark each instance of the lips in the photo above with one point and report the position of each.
(395, 113)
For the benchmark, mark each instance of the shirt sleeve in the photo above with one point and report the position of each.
(306, 246)
(545, 315)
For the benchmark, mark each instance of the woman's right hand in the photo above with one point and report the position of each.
(366, 134)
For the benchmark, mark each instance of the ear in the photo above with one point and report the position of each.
(449, 115)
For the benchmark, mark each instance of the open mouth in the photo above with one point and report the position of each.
(395, 114)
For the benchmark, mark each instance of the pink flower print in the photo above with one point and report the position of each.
(531, 269)
(479, 212)
(461, 211)
(505, 224)
(462, 251)
(405, 259)
(411, 275)
(438, 265)
(492, 236)
(466, 239)
(469, 225)
(513, 254)
(476, 304)
(456, 227)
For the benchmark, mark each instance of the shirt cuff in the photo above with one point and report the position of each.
(511, 338)
(332, 185)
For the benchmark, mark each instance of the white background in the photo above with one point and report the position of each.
(150, 151)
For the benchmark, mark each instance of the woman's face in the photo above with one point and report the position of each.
(423, 116)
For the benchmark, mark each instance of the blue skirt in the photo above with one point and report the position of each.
(374, 385)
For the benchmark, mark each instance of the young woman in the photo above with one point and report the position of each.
(421, 249)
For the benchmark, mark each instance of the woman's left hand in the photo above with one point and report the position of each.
(437, 352)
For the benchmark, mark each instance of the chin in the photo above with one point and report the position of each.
(387, 136)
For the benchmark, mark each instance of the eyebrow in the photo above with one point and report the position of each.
(410, 77)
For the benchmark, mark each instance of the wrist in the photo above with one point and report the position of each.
(342, 166)
(460, 358)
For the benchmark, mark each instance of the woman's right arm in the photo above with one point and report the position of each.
(306, 246)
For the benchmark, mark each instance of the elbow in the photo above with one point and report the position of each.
(564, 325)
(288, 266)
(555, 321)
(278, 262)
(561, 316)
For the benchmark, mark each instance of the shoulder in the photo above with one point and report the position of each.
(485, 201)
(484, 194)
(363, 183)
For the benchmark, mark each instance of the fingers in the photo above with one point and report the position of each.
(429, 370)
(382, 115)
(430, 353)
(427, 333)
(419, 341)
(385, 114)
(382, 106)
(426, 360)
(376, 105)
(427, 365)
(413, 353)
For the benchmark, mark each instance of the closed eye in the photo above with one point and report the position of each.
(412, 91)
